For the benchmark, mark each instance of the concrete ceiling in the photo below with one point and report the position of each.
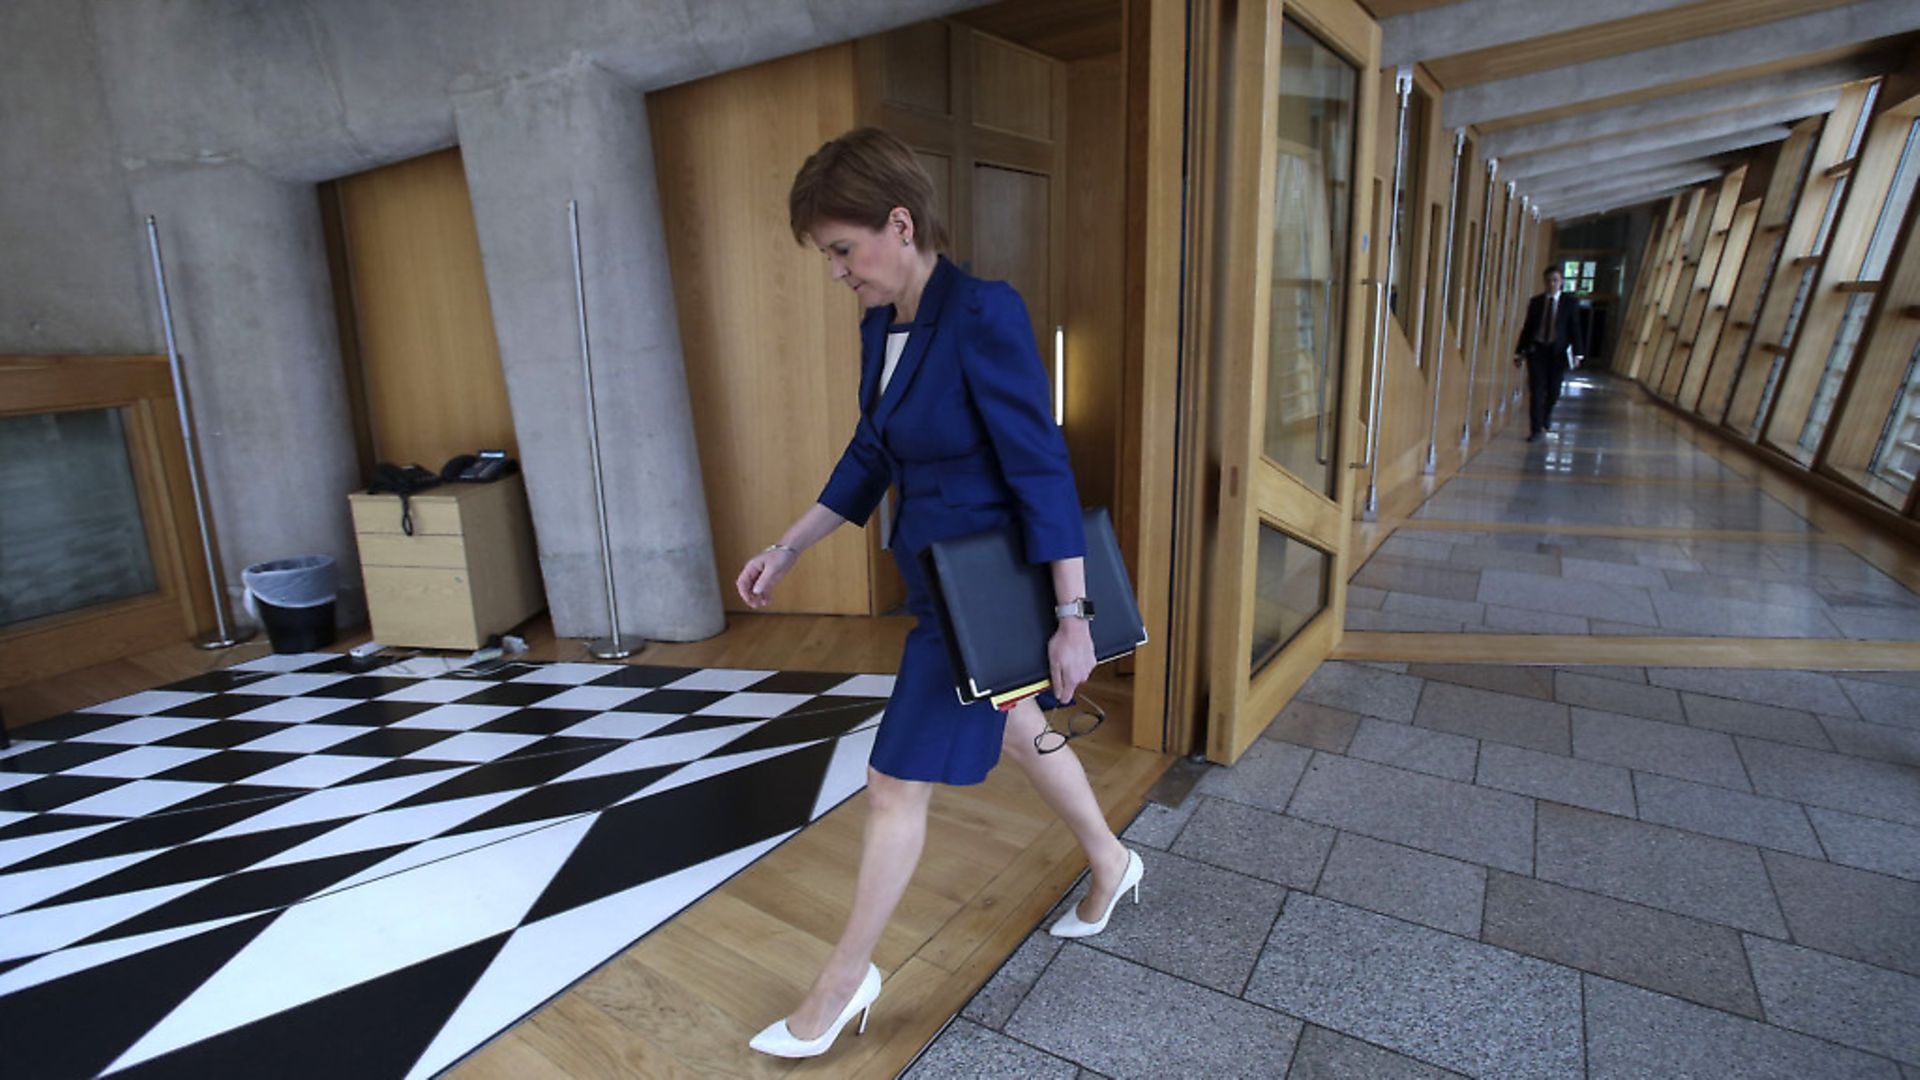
(1609, 100)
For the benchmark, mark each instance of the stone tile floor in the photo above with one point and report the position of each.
(1442, 870)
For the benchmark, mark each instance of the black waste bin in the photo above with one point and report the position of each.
(293, 599)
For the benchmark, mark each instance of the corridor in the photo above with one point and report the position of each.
(1496, 869)
(1617, 522)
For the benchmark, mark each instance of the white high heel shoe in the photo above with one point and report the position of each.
(780, 1042)
(1071, 925)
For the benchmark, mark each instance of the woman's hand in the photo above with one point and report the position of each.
(1070, 657)
(761, 574)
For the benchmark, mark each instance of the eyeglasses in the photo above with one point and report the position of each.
(1085, 719)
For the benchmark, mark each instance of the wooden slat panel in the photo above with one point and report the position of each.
(1613, 38)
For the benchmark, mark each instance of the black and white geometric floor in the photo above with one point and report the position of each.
(307, 866)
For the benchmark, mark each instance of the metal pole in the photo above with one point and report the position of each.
(225, 636)
(1403, 89)
(612, 647)
(1479, 304)
(1446, 292)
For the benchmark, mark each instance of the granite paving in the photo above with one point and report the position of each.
(1475, 1008)
(1432, 890)
(1440, 869)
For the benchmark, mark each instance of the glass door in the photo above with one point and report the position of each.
(1294, 131)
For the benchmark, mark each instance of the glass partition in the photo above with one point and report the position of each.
(1290, 588)
(1313, 207)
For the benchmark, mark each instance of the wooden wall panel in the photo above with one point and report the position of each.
(1745, 413)
(923, 77)
(1757, 270)
(428, 358)
(1739, 235)
(1717, 231)
(772, 344)
(1880, 365)
(1821, 319)
(1096, 315)
(1011, 228)
(1151, 515)
(1012, 89)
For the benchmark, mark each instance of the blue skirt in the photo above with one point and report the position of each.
(927, 734)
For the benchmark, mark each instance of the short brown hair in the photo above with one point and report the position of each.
(859, 178)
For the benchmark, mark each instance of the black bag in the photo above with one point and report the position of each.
(996, 609)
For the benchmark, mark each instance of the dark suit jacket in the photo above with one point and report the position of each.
(964, 428)
(1566, 329)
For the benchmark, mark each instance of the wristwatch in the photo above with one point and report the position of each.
(1074, 609)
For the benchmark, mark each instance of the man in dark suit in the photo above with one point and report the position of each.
(1549, 344)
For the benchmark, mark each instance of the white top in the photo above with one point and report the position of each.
(896, 344)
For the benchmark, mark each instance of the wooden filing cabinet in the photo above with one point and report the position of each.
(467, 572)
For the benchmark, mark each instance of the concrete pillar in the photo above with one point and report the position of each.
(1691, 140)
(530, 145)
(253, 314)
(1781, 41)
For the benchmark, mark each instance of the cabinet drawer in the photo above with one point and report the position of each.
(421, 606)
(398, 549)
(433, 515)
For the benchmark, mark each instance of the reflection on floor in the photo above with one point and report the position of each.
(309, 866)
(1442, 870)
(1613, 461)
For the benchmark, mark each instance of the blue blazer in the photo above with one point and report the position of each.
(965, 428)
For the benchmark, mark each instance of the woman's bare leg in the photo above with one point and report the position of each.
(896, 830)
(1062, 782)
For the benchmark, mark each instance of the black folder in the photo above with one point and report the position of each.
(996, 609)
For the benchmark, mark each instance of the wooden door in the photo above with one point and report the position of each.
(1293, 135)
(428, 382)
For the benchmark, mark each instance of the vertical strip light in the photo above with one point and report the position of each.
(1060, 375)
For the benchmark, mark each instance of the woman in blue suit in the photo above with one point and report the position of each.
(953, 411)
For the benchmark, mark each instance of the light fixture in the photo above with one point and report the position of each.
(1060, 375)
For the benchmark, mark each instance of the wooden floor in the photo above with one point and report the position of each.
(684, 1000)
